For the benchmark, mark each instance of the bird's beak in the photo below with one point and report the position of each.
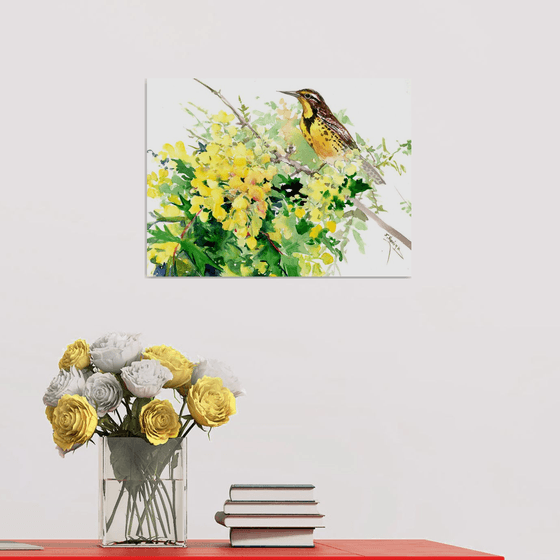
(292, 93)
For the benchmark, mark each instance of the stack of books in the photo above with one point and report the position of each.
(271, 515)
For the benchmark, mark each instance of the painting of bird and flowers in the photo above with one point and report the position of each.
(279, 177)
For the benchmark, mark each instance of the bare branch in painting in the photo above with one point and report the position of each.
(278, 157)
(391, 230)
(194, 135)
(240, 118)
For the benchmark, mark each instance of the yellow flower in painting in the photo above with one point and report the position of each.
(255, 176)
(172, 359)
(316, 231)
(155, 180)
(317, 270)
(314, 250)
(163, 177)
(196, 203)
(225, 140)
(255, 226)
(251, 243)
(204, 158)
(176, 229)
(338, 179)
(228, 225)
(262, 266)
(315, 214)
(159, 421)
(73, 420)
(217, 194)
(210, 403)
(76, 354)
(171, 211)
(240, 150)
(162, 252)
(331, 226)
(177, 152)
(240, 217)
(240, 203)
(300, 212)
(257, 194)
(235, 182)
(316, 189)
(219, 213)
(198, 183)
(213, 149)
(271, 171)
(239, 161)
(327, 258)
(223, 117)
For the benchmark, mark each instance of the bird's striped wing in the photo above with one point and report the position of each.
(336, 126)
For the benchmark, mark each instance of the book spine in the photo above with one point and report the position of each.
(266, 521)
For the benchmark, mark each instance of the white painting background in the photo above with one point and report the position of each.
(377, 108)
(420, 408)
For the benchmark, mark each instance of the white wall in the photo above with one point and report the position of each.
(420, 408)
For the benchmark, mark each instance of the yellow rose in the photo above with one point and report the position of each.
(49, 412)
(210, 403)
(159, 421)
(73, 420)
(173, 360)
(76, 354)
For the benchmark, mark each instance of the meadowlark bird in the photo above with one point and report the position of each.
(325, 133)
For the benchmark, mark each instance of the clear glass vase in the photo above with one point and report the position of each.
(142, 492)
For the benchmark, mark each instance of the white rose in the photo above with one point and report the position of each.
(112, 352)
(104, 392)
(71, 382)
(215, 368)
(145, 378)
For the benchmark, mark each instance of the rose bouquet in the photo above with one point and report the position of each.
(108, 388)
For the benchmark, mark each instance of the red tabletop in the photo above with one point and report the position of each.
(203, 550)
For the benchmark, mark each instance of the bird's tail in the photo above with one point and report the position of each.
(372, 172)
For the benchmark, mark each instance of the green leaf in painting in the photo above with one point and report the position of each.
(270, 255)
(359, 241)
(356, 186)
(182, 167)
(198, 257)
(290, 265)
